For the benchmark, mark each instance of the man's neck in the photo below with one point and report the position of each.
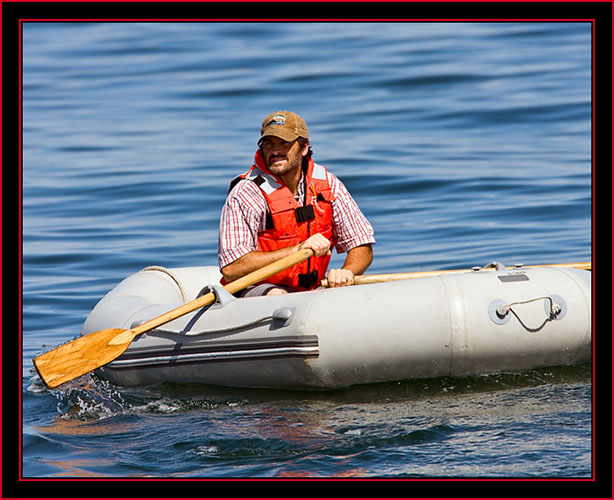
(292, 179)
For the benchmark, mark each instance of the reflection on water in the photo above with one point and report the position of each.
(319, 434)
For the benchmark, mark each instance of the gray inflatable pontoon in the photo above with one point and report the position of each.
(457, 324)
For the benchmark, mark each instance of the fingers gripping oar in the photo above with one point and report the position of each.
(367, 279)
(87, 353)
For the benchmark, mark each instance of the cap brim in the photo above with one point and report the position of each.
(282, 133)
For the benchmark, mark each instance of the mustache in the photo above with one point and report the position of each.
(276, 157)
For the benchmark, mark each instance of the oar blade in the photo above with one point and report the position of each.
(79, 356)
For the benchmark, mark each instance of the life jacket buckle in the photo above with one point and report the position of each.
(308, 280)
(304, 214)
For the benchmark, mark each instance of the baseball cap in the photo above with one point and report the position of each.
(285, 125)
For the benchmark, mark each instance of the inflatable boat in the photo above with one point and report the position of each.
(474, 322)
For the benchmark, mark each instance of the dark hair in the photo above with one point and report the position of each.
(301, 142)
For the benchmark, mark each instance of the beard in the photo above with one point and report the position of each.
(281, 166)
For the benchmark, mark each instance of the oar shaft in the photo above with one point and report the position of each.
(186, 308)
(367, 279)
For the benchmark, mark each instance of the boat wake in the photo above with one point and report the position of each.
(91, 398)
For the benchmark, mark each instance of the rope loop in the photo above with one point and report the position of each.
(168, 272)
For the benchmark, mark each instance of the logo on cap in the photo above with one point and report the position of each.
(277, 120)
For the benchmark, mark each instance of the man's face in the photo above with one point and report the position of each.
(282, 157)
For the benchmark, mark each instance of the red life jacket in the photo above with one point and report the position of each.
(290, 223)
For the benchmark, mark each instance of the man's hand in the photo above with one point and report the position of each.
(318, 243)
(340, 277)
(357, 261)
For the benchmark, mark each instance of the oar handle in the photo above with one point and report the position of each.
(367, 279)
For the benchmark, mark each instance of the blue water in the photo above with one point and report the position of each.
(463, 143)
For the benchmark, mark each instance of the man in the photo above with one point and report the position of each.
(287, 202)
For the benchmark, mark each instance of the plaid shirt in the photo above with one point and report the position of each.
(244, 217)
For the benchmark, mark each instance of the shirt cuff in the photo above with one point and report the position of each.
(346, 246)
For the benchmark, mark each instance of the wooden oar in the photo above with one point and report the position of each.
(366, 279)
(89, 352)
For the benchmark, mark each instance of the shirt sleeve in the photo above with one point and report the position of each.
(350, 227)
(243, 217)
